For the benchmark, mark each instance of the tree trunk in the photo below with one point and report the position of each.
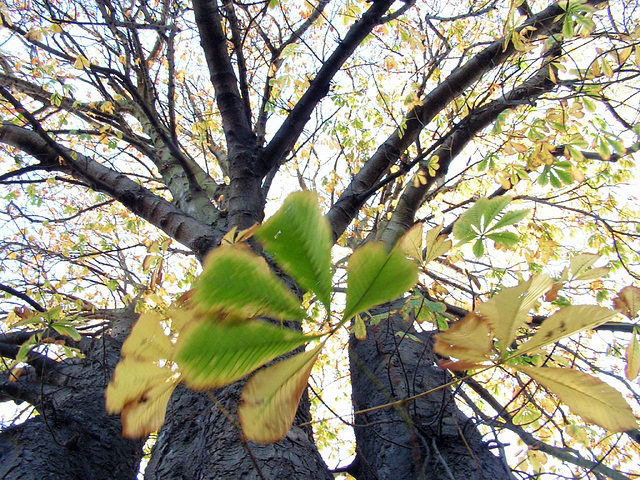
(73, 438)
(198, 441)
(428, 438)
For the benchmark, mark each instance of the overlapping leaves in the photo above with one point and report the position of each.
(218, 333)
(470, 342)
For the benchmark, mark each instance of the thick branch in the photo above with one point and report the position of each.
(174, 222)
(420, 116)
(286, 136)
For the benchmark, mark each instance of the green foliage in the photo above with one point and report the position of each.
(299, 238)
(219, 337)
(477, 223)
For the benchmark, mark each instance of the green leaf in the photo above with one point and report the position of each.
(566, 322)
(376, 276)
(508, 310)
(464, 231)
(492, 208)
(270, 399)
(67, 330)
(237, 281)
(359, 328)
(591, 398)
(214, 354)
(508, 239)
(478, 248)
(510, 218)
(299, 238)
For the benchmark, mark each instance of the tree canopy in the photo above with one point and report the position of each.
(472, 159)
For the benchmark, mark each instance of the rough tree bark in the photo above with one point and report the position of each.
(73, 437)
(428, 438)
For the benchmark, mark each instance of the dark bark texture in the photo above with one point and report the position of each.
(428, 438)
(199, 442)
(73, 438)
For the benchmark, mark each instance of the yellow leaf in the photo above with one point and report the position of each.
(587, 396)
(628, 301)
(81, 62)
(35, 35)
(592, 274)
(140, 390)
(435, 244)
(565, 322)
(270, 399)
(411, 243)
(633, 358)
(359, 328)
(55, 28)
(148, 340)
(508, 310)
(468, 340)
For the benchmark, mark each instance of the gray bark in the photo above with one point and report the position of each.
(73, 438)
(422, 439)
(198, 441)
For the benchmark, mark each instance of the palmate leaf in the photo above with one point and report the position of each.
(587, 396)
(270, 398)
(435, 244)
(140, 390)
(565, 322)
(299, 238)
(510, 218)
(375, 276)
(508, 310)
(214, 354)
(237, 281)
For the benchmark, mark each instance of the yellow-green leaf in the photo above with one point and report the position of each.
(270, 399)
(411, 243)
(375, 276)
(81, 62)
(468, 340)
(633, 358)
(140, 390)
(628, 301)
(299, 238)
(67, 330)
(147, 340)
(214, 354)
(565, 322)
(580, 263)
(592, 274)
(435, 244)
(508, 310)
(237, 281)
(587, 396)
(359, 328)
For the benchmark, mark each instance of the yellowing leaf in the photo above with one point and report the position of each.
(468, 340)
(411, 243)
(580, 263)
(508, 310)
(359, 328)
(140, 390)
(270, 399)
(299, 238)
(435, 244)
(592, 273)
(147, 340)
(81, 62)
(238, 281)
(587, 396)
(633, 358)
(628, 301)
(376, 276)
(214, 354)
(565, 322)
